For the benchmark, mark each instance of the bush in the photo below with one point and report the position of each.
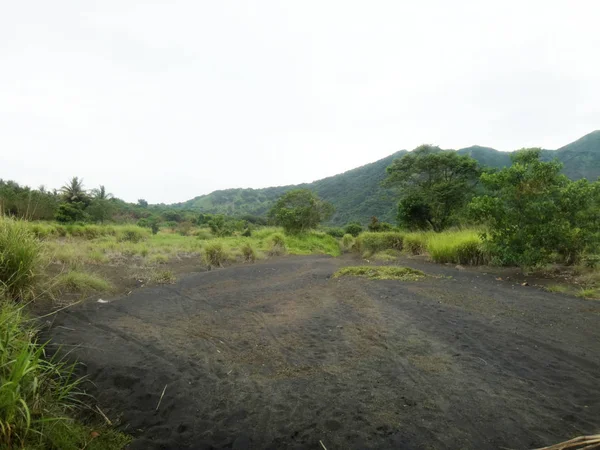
(20, 259)
(132, 234)
(375, 242)
(248, 252)
(353, 228)
(312, 242)
(215, 254)
(300, 210)
(347, 242)
(335, 232)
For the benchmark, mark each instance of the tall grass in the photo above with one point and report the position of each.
(81, 282)
(457, 247)
(20, 259)
(39, 394)
(371, 242)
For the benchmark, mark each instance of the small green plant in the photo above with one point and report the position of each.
(215, 254)
(20, 259)
(381, 273)
(249, 252)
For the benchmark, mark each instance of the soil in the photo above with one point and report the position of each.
(279, 355)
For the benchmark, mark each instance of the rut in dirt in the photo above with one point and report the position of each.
(280, 355)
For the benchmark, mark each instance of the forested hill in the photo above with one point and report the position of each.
(358, 195)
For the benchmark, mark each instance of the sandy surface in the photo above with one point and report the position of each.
(279, 355)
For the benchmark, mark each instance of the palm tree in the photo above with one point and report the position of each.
(73, 191)
(101, 194)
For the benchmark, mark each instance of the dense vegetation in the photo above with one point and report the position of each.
(357, 195)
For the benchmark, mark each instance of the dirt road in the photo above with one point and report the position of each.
(278, 355)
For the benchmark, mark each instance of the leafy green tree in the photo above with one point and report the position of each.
(143, 203)
(73, 192)
(535, 215)
(70, 212)
(100, 210)
(300, 210)
(434, 185)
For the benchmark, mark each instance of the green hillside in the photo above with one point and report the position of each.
(358, 195)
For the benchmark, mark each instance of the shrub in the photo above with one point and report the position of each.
(215, 254)
(248, 252)
(353, 228)
(335, 232)
(534, 213)
(132, 234)
(20, 259)
(375, 242)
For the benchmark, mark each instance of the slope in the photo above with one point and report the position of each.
(357, 194)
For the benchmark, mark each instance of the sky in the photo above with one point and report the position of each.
(167, 100)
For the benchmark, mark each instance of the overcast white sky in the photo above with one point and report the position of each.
(166, 100)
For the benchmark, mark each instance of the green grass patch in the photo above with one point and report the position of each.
(589, 293)
(386, 255)
(559, 288)
(312, 242)
(81, 282)
(215, 254)
(381, 273)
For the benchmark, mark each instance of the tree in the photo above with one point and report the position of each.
(434, 185)
(73, 192)
(143, 203)
(534, 214)
(300, 210)
(101, 194)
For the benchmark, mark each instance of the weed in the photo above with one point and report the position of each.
(381, 273)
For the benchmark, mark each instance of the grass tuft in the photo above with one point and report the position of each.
(215, 254)
(249, 252)
(589, 293)
(81, 282)
(559, 288)
(381, 273)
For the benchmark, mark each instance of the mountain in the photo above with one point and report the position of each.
(357, 194)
